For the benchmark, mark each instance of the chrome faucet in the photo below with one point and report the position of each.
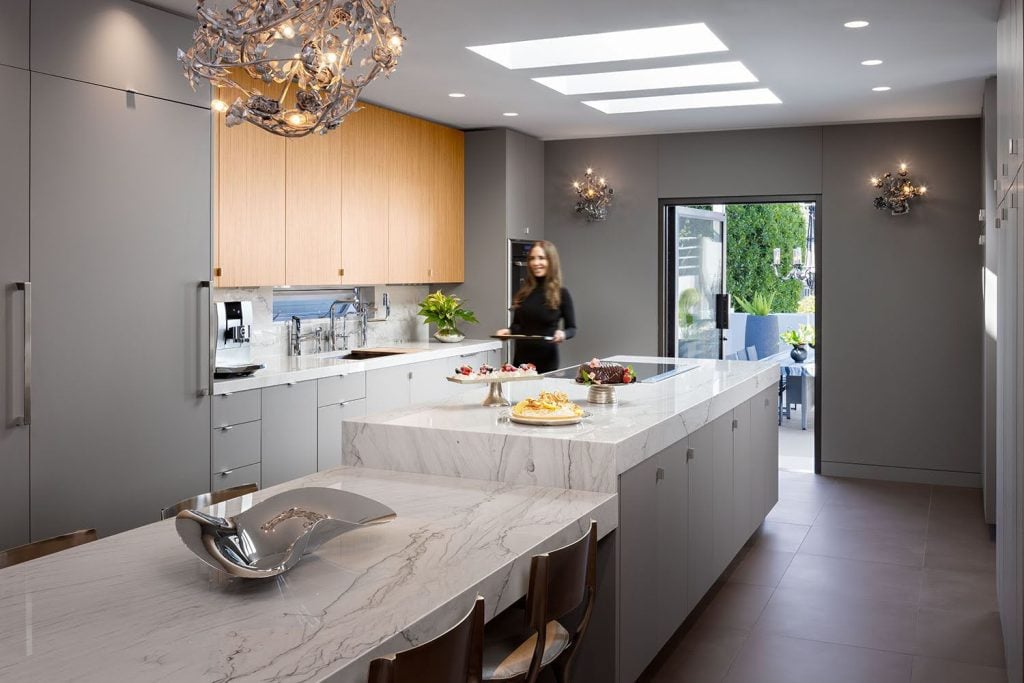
(332, 336)
(296, 337)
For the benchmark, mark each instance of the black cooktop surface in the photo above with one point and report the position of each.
(645, 372)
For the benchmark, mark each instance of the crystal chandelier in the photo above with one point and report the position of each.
(309, 59)
(798, 271)
(593, 197)
(897, 191)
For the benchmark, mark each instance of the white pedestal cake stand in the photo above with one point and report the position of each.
(495, 395)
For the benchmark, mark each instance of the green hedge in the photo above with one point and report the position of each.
(754, 230)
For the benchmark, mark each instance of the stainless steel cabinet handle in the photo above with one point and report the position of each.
(226, 428)
(659, 474)
(205, 342)
(25, 418)
(225, 473)
(690, 453)
(735, 424)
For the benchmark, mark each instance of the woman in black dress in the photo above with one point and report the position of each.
(538, 307)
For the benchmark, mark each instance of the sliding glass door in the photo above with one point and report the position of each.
(695, 302)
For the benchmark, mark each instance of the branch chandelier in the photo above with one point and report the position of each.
(593, 196)
(897, 191)
(320, 52)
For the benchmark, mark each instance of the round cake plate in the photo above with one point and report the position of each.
(545, 422)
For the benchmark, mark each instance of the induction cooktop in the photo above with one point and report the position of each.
(645, 372)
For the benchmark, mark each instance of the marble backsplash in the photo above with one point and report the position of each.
(270, 339)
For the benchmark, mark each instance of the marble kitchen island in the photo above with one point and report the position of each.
(138, 606)
(693, 457)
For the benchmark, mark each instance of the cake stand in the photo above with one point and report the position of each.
(495, 396)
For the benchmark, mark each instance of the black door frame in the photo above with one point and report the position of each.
(665, 302)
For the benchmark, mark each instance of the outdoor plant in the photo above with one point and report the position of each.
(759, 304)
(754, 230)
(688, 298)
(806, 305)
(443, 310)
(802, 336)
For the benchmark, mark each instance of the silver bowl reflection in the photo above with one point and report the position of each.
(272, 536)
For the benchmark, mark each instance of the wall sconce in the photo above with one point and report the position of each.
(897, 191)
(798, 271)
(593, 197)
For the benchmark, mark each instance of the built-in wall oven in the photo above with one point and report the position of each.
(518, 254)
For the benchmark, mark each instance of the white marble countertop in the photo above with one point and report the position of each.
(301, 368)
(139, 606)
(459, 437)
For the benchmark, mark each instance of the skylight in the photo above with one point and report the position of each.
(615, 46)
(650, 79)
(700, 100)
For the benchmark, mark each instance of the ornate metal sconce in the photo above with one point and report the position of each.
(897, 191)
(593, 196)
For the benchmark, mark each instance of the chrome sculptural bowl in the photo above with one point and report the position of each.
(272, 536)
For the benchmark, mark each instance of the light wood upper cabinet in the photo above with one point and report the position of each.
(379, 201)
(365, 140)
(250, 204)
(313, 214)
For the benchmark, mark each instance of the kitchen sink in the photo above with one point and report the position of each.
(364, 354)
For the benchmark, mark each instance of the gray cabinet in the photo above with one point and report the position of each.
(330, 431)
(672, 480)
(743, 469)
(722, 529)
(14, 267)
(700, 517)
(120, 240)
(250, 474)
(387, 389)
(427, 381)
(236, 408)
(288, 430)
(235, 446)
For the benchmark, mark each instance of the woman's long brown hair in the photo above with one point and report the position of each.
(552, 281)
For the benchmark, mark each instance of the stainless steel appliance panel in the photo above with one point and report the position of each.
(120, 206)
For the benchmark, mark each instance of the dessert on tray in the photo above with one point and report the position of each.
(605, 372)
(506, 371)
(549, 405)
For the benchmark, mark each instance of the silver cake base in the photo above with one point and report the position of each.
(495, 396)
(602, 393)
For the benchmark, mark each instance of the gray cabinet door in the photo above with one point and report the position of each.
(764, 444)
(288, 432)
(387, 389)
(250, 474)
(700, 517)
(14, 222)
(120, 206)
(742, 477)
(638, 569)
(330, 431)
(427, 381)
(724, 547)
(673, 494)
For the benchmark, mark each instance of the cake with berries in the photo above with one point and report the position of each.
(506, 371)
(604, 372)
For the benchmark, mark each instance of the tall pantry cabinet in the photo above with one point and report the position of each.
(106, 213)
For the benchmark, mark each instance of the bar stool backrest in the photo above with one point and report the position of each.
(47, 546)
(207, 499)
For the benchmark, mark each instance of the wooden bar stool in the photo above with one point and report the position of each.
(520, 642)
(47, 546)
(207, 499)
(453, 657)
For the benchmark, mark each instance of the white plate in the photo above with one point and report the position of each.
(487, 379)
(546, 421)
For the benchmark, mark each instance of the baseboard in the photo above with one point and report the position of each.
(907, 474)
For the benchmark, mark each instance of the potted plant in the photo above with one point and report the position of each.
(762, 327)
(798, 339)
(443, 310)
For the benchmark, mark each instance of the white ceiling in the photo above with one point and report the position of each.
(937, 54)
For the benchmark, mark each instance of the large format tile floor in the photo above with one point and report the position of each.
(851, 581)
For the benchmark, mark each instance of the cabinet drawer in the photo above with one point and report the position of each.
(330, 431)
(233, 409)
(334, 390)
(250, 474)
(236, 446)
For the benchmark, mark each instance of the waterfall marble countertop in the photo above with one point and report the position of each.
(459, 437)
(139, 606)
(301, 368)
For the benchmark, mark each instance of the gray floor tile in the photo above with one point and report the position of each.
(704, 654)
(795, 511)
(737, 605)
(781, 659)
(851, 491)
(762, 567)
(833, 618)
(974, 637)
(870, 581)
(881, 515)
(779, 536)
(960, 551)
(873, 545)
(957, 590)
(929, 670)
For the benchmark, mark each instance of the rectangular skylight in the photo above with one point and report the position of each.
(721, 73)
(615, 46)
(698, 100)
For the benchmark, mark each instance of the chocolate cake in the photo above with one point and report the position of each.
(602, 372)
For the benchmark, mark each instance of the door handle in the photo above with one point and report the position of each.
(25, 418)
(722, 311)
(659, 474)
(690, 454)
(203, 380)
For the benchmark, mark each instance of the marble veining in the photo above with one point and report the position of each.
(283, 369)
(139, 606)
(458, 437)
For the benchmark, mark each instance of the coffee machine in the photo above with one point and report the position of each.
(234, 337)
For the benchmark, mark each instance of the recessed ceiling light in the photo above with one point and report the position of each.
(871, 62)
(615, 46)
(510, 113)
(650, 79)
(697, 100)
(882, 88)
(456, 94)
(859, 23)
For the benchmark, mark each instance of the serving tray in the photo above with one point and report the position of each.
(529, 337)
(490, 379)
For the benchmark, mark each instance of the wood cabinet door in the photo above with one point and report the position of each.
(313, 190)
(447, 240)
(250, 200)
(410, 202)
(368, 152)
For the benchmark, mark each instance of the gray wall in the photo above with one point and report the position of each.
(901, 301)
(989, 170)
